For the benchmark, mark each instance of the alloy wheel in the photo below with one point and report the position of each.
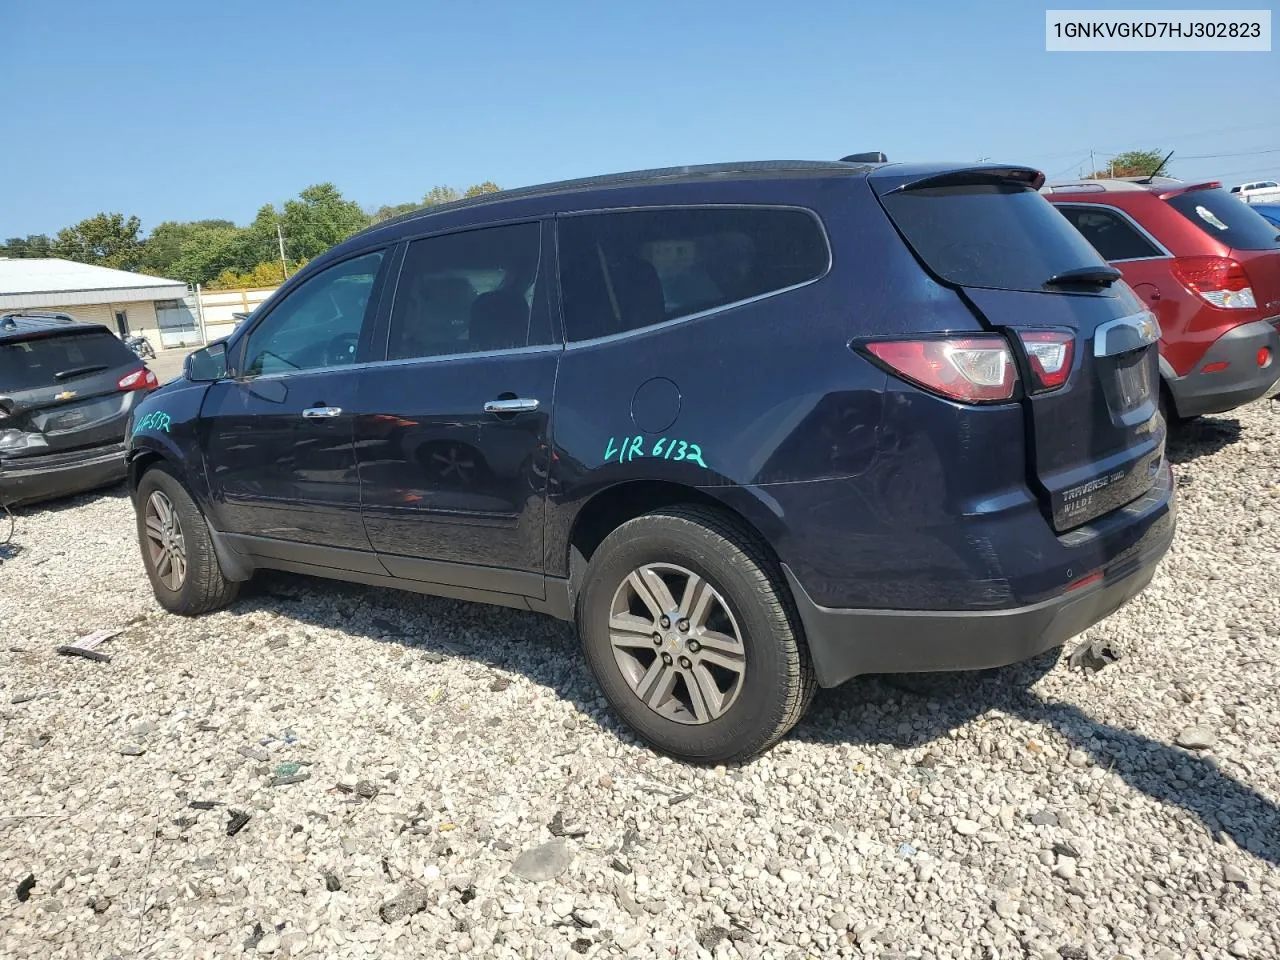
(683, 658)
(166, 545)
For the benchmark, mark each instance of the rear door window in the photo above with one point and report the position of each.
(1110, 234)
(632, 269)
(999, 235)
(47, 361)
(1225, 218)
(469, 292)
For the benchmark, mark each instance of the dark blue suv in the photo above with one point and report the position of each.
(756, 428)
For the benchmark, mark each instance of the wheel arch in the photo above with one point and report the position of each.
(612, 506)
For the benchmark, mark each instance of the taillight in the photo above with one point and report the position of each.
(142, 379)
(1219, 281)
(976, 369)
(1049, 354)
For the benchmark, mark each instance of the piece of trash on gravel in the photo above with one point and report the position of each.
(25, 887)
(543, 862)
(253, 753)
(291, 778)
(87, 646)
(204, 804)
(1092, 657)
(237, 822)
(332, 883)
(365, 789)
(287, 769)
(405, 904)
(559, 829)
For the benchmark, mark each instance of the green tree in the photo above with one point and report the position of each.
(389, 210)
(438, 195)
(480, 189)
(106, 239)
(1134, 163)
(184, 251)
(32, 245)
(317, 220)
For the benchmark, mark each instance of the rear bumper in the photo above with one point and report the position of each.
(30, 479)
(1241, 382)
(845, 643)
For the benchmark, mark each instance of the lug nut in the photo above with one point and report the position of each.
(694, 646)
(686, 663)
(666, 622)
(666, 658)
(657, 639)
(683, 625)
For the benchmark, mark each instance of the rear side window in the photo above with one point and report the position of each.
(628, 270)
(47, 361)
(1109, 233)
(999, 235)
(469, 292)
(1225, 218)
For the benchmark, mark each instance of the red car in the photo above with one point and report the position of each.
(1206, 265)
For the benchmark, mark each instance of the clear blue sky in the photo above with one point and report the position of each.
(183, 111)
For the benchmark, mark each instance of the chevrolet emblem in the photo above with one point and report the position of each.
(65, 395)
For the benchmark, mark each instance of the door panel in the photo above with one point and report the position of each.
(445, 480)
(453, 431)
(275, 473)
(279, 436)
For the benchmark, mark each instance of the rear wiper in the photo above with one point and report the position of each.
(79, 371)
(1085, 277)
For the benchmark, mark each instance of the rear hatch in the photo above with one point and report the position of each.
(1251, 237)
(62, 391)
(1095, 442)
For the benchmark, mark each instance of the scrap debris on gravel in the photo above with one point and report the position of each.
(335, 771)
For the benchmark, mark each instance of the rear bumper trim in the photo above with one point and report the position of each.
(845, 643)
(1243, 381)
(30, 479)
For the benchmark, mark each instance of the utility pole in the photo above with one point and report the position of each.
(1093, 167)
(284, 264)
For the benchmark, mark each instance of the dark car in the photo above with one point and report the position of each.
(67, 389)
(1208, 267)
(755, 428)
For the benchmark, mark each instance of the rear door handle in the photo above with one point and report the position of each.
(515, 405)
(322, 413)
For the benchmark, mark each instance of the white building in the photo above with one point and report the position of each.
(123, 302)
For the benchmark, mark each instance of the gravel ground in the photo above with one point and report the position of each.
(1128, 812)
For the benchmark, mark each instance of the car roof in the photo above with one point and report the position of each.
(18, 326)
(661, 176)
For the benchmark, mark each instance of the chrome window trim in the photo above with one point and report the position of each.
(379, 364)
(710, 311)
(1165, 253)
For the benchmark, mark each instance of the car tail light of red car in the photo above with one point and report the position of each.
(142, 379)
(1219, 281)
(1049, 354)
(972, 369)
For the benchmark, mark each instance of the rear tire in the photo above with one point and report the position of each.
(736, 675)
(177, 549)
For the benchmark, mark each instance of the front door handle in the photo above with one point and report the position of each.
(322, 413)
(514, 405)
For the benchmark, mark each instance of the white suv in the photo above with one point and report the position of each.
(1260, 191)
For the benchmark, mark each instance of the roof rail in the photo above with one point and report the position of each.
(42, 315)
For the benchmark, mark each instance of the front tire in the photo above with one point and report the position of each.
(687, 628)
(177, 549)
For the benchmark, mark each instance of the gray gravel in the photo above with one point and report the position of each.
(978, 816)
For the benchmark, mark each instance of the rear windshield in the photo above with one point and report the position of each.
(1225, 218)
(30, 364)
(1004, 236)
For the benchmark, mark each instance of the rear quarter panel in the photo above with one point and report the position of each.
(762, 395)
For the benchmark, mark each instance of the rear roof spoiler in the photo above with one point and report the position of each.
(983, 174)
(1189, 188)
(875, 156)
